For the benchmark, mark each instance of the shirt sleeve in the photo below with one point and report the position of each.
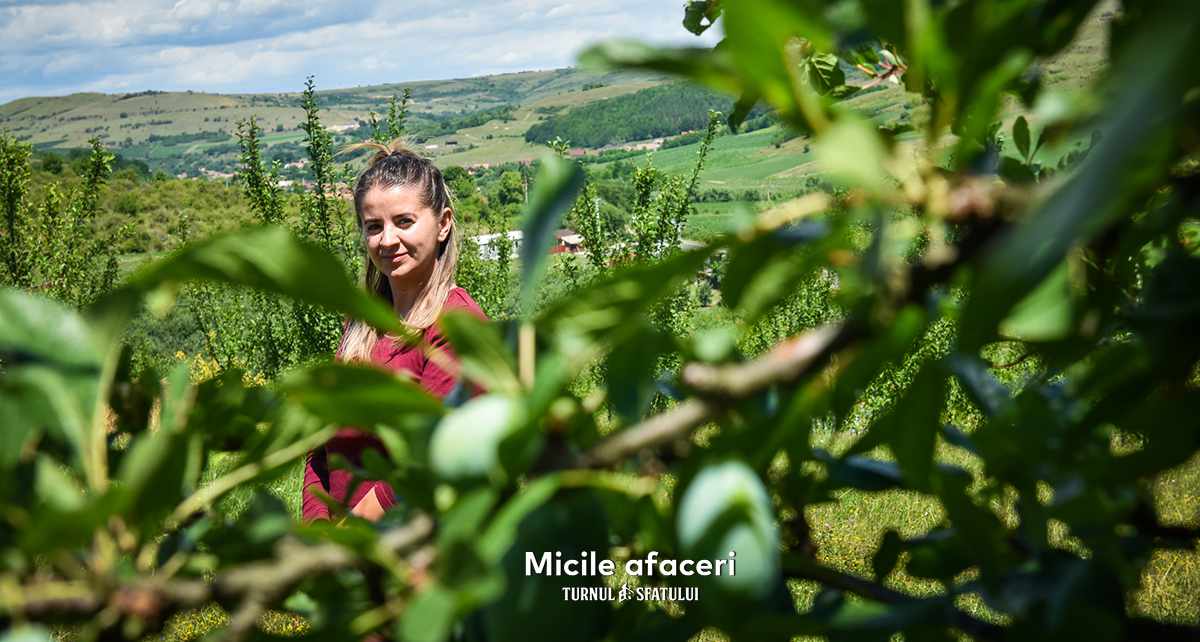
(316, 475)
(436, 380)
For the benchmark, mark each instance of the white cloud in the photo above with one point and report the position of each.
(62, 46)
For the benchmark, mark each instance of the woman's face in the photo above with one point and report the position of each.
(403, 234)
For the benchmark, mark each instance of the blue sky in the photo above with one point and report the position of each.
(58, 47)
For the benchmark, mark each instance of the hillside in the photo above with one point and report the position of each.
(161, 128)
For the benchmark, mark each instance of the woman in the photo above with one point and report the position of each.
(405, 214)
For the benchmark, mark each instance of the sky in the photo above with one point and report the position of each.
(59, 47)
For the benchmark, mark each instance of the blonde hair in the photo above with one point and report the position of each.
(394, 167)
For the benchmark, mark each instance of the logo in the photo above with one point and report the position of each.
(640, 594)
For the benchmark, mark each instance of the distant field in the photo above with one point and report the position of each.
(125, 122)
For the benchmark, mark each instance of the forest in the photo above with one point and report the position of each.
(667, 110)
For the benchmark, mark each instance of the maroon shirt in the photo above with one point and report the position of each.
(351, 443)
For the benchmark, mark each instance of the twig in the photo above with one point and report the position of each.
(786, 363)
(718, 386)
(252, 587)
(1018, 362)
(806, 570)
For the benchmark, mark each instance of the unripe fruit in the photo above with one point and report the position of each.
(467, 442)
(727, 509)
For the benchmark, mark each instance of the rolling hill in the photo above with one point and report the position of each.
(161, 127)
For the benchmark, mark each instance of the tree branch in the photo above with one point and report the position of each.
(804, 569)
(718, 387)
(252, 587)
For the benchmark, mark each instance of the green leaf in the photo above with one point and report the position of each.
(633, 370)
(465, 519)
(1045, 314)
(1016, 170)
(757, 32)
(853, 151)
(56, 488)
(358, 395)
(502, 530)
(697, 11)
(711, 66)
(607, 311)
(482, 352)
(1141, 124)
(36, 328)
(1020, 132)
(430, 616)
(572, 523)
(856, 471)
(912, 426)
(765, 271)
(554, 191)
(272, 259)
(887, 555)
(741, 109)
(823, 71)
(27, 633)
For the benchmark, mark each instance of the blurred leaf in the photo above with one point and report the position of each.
(767, 270)
(430, 615)
(27, 633)
(632, 371)
(860, 472)
(887, 345)
(34, 328)
(608, 310)
(572, 523)
(712, 67)
(502, 531)
(358, 395)
(272, 259)
(1139, 126)
(465, 519)
(554, 191)
(1045, 314)
(912, 425)
(252, 536)
(56, 488)
(853, 152)
(757, 32)
(482, 352)
(886, 556)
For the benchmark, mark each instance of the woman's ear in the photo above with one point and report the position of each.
(445, 224)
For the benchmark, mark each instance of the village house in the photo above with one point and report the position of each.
(568, 242)
(488, 251)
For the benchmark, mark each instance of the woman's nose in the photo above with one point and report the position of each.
(391, 235)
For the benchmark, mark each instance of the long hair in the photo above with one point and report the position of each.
(395, 167)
